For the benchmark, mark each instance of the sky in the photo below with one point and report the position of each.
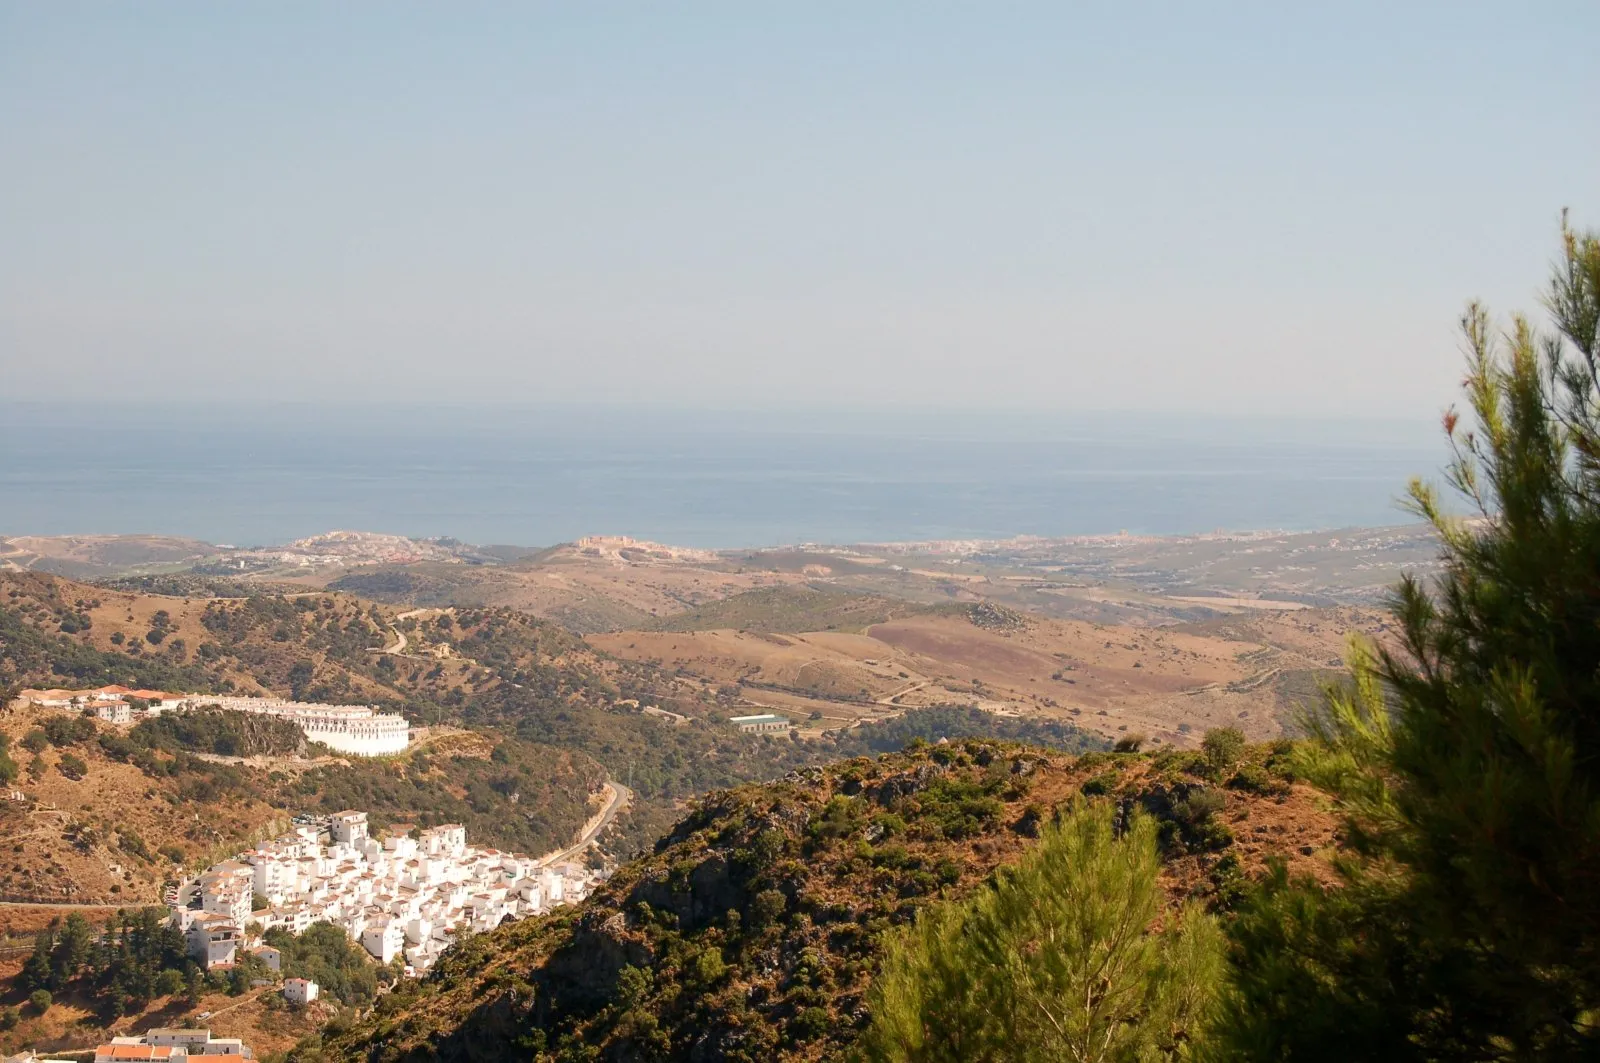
(1200, 207)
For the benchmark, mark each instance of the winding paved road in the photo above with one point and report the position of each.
(620, 797)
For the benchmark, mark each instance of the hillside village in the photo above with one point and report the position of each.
(359, 730)
(401, 897)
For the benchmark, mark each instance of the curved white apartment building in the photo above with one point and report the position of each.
(354, 729)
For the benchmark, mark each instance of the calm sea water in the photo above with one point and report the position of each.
(267, 474)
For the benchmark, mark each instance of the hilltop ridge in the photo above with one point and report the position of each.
(753, 930)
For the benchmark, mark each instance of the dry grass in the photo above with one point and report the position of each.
(1171, 684)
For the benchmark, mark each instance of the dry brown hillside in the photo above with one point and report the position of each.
(754, 931)
(1169, 683)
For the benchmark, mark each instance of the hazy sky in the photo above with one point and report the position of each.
(1180, 206)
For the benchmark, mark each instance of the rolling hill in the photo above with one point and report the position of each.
(754, 929)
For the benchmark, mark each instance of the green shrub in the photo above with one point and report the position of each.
(1253, 779)
(708, 968)
(1223, 748)
(768, 907)
(810, 1024)
(68, 730)
(892, 856)
(1101, 784)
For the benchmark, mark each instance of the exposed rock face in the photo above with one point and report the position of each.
(600, 947)
(994, 617)
(915, 781)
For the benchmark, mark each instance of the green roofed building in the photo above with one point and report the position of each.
(765, 723)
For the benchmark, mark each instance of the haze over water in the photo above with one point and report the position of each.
(711, 479)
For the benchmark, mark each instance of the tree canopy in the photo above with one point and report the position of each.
(1466, 752)
(1059, 961)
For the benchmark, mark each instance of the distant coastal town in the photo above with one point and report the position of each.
(359, 730)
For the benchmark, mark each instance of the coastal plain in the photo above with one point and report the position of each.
(1120, 635)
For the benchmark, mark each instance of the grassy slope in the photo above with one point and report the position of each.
(508, 675)
(754, 929)
(55, 632)
(795, 608)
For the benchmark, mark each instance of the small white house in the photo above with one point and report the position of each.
(212, 940)
(349, 826)
(383, 938)
(269, 956)
(447, 840)
(300, 990)
(113, 711)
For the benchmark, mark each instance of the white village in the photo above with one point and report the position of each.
(405, 897)
(359, 730)
(402, 897)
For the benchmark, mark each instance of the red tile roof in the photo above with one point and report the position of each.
(132, 1053)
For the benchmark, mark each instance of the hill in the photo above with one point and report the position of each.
(518, 725)
(754, 929)
(92, 555)
(109, 815)
(800, 607)
(1168, 683)
(530, 688)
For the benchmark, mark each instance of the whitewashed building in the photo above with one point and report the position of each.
(349, 827)
(212, 940)
(399, 896)
(762, 723)
(300, 991)
(356, 729)
(119, 712)
(383, 938)
(170, 1046)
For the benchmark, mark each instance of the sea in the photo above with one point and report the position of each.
(244, 473)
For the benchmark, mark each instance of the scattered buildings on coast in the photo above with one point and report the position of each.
(402, 897)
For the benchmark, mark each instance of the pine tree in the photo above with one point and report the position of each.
(1061, 960)
(73, 945)
(1468, 753)
(36, 971)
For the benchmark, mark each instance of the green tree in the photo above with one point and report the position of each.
(36, 969)
(74, 942)
(194, 987)
(40, 1000)
(1058, 962)
(1222, 747)
(300, 675)
(1468, 754)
